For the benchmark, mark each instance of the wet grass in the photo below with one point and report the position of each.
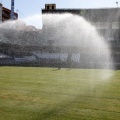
(33, 93)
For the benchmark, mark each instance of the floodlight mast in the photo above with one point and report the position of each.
(12, 10)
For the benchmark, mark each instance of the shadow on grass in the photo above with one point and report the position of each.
(69, 69)
(56, 69)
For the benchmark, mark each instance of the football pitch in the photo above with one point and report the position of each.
(34, 93)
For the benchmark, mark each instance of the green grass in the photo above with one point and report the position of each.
(33, 93)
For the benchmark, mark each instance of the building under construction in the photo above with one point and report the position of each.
(5, 14)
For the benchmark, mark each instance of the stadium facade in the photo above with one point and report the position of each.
(106, 21)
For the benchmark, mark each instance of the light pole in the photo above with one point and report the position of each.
(12, 10)
(117, 3)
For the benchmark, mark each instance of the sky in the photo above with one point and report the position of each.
(28, 8)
